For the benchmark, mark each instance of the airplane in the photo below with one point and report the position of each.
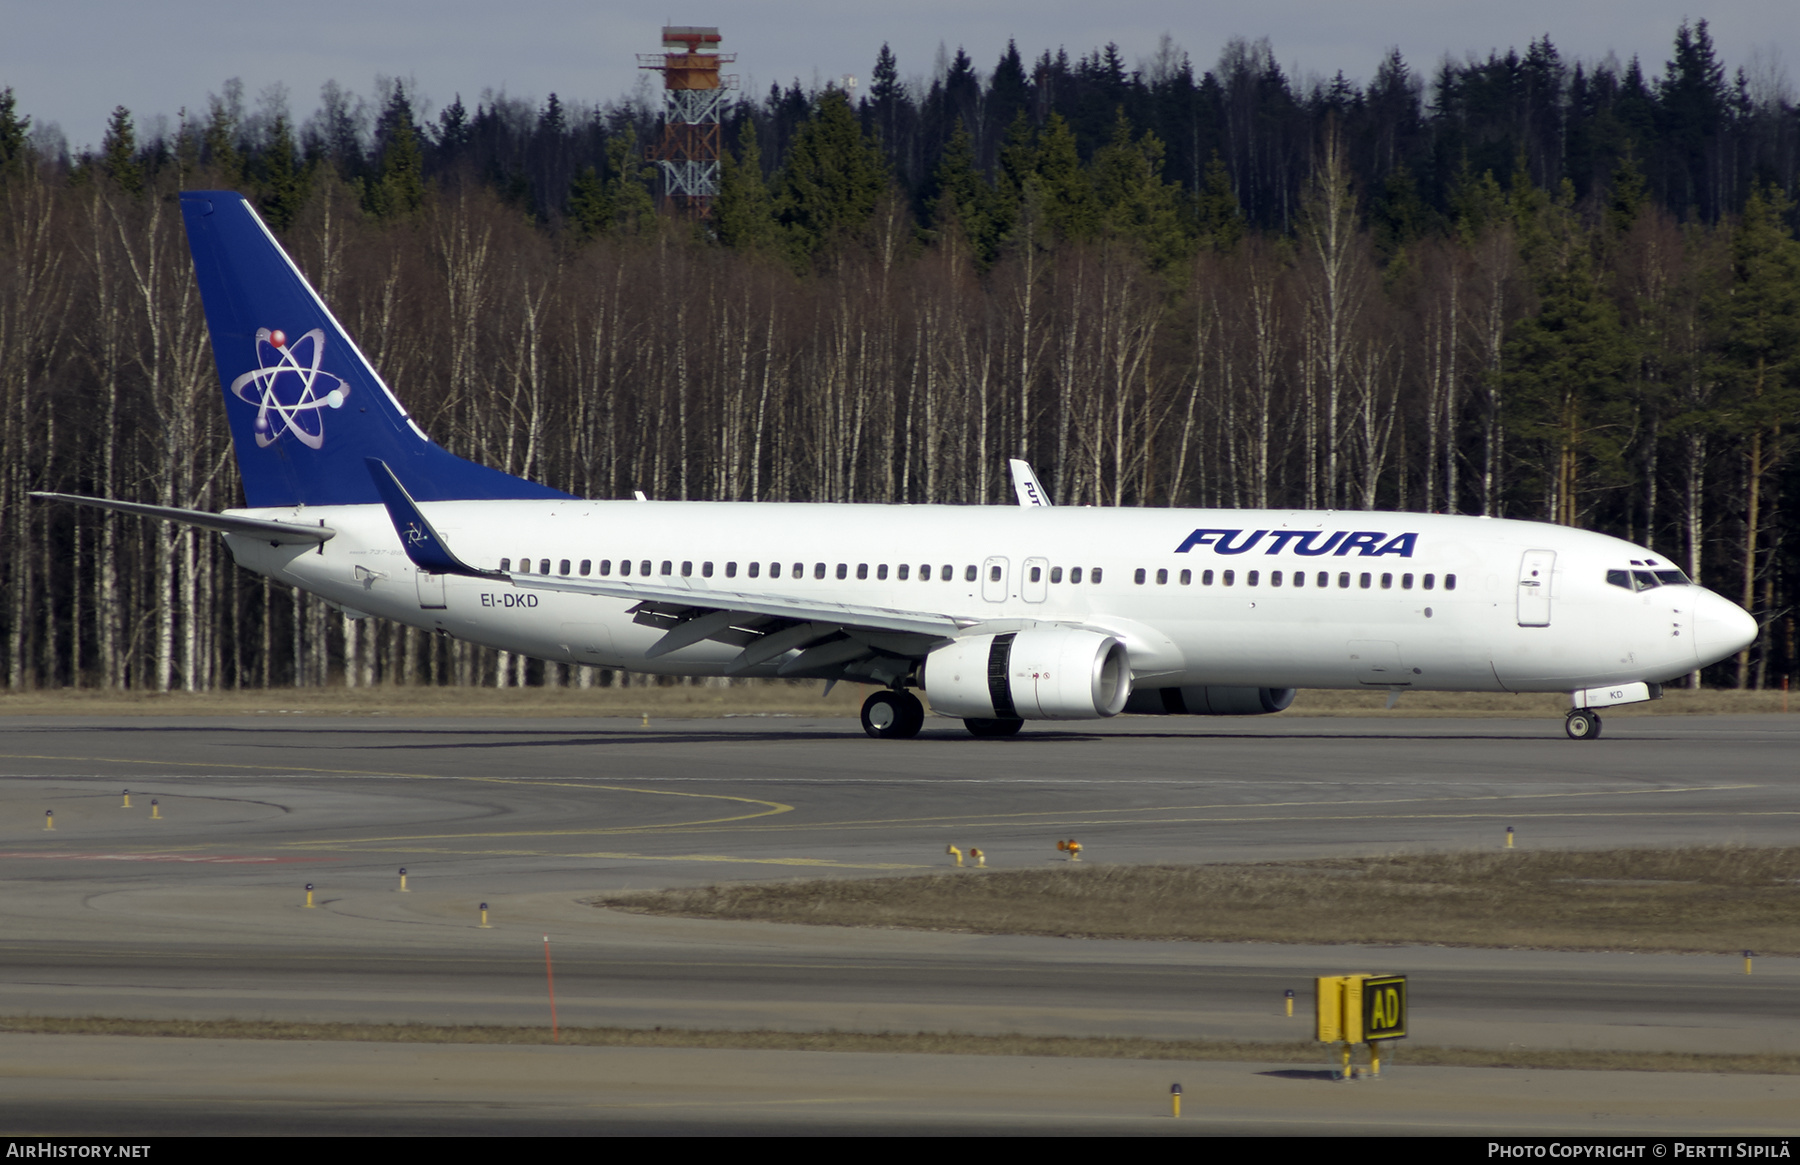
(999, 614)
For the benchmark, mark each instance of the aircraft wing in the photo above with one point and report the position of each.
(287, 533)
(831, 638)
(774, 606)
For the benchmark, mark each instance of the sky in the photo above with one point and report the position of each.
(71, 62)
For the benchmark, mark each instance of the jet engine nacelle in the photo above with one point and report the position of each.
(1048, 674)
(1208, 701)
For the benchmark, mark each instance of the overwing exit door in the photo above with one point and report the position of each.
(993, 580)
(1034, 585)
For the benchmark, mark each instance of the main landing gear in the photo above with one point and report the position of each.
(893, 715)
(1583, 724)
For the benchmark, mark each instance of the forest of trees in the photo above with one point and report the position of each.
(1518, 286)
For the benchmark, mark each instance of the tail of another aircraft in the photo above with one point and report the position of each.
(306, 409)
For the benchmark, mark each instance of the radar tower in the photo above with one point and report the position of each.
(693, 98)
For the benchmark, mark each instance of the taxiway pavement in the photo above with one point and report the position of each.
(199, 913)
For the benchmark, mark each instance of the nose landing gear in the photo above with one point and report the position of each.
(1582, 724)
(893, 715)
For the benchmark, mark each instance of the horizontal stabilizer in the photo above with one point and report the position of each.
(283, 533)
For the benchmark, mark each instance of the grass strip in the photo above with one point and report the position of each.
(1699, 899)
(922, 1043)
(675, 701)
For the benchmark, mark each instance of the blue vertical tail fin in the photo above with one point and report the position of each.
(306, 408)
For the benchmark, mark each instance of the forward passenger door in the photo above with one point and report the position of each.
(1535, 571)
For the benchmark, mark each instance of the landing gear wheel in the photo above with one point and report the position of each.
(888, 715)
(1582, 725)
(993, 727)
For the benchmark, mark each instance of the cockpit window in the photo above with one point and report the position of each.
(1644, 580)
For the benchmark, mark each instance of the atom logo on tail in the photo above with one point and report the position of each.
(289, 388)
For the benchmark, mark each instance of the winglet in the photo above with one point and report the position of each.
(424, 545)
(1025, 484)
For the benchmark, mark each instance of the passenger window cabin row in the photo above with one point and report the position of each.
(1363, 580)
(903, 572)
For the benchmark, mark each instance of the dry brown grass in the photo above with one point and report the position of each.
(770, 698)
(931, 1043)
(1699, 899)
(680, 701)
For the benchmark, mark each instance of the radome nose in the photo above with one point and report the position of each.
(1721, 627)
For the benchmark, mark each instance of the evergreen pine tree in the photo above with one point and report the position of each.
(1759, 362)
(1217, 218)
(1568, 371)
(1399, 215)
(1760, 313)
(219, 138)
(1135, 202)
(1693, 103)
(399, 186)
(1625, 201)
(831, 182)
(744, 212)
(590, 211)
(1070, 208)
(453, 130)
(886, 78)
(13, 131)
(1476, 203)
(1008, 96)
(284, 183)
(964, 200)
(1014, 177)
(118, 150)
(628, 196)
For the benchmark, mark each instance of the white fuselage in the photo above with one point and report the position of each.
(1452, 609)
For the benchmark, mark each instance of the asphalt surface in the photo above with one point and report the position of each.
(199, 912)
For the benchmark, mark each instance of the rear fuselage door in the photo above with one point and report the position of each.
(431, 590)
(1535, 570)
